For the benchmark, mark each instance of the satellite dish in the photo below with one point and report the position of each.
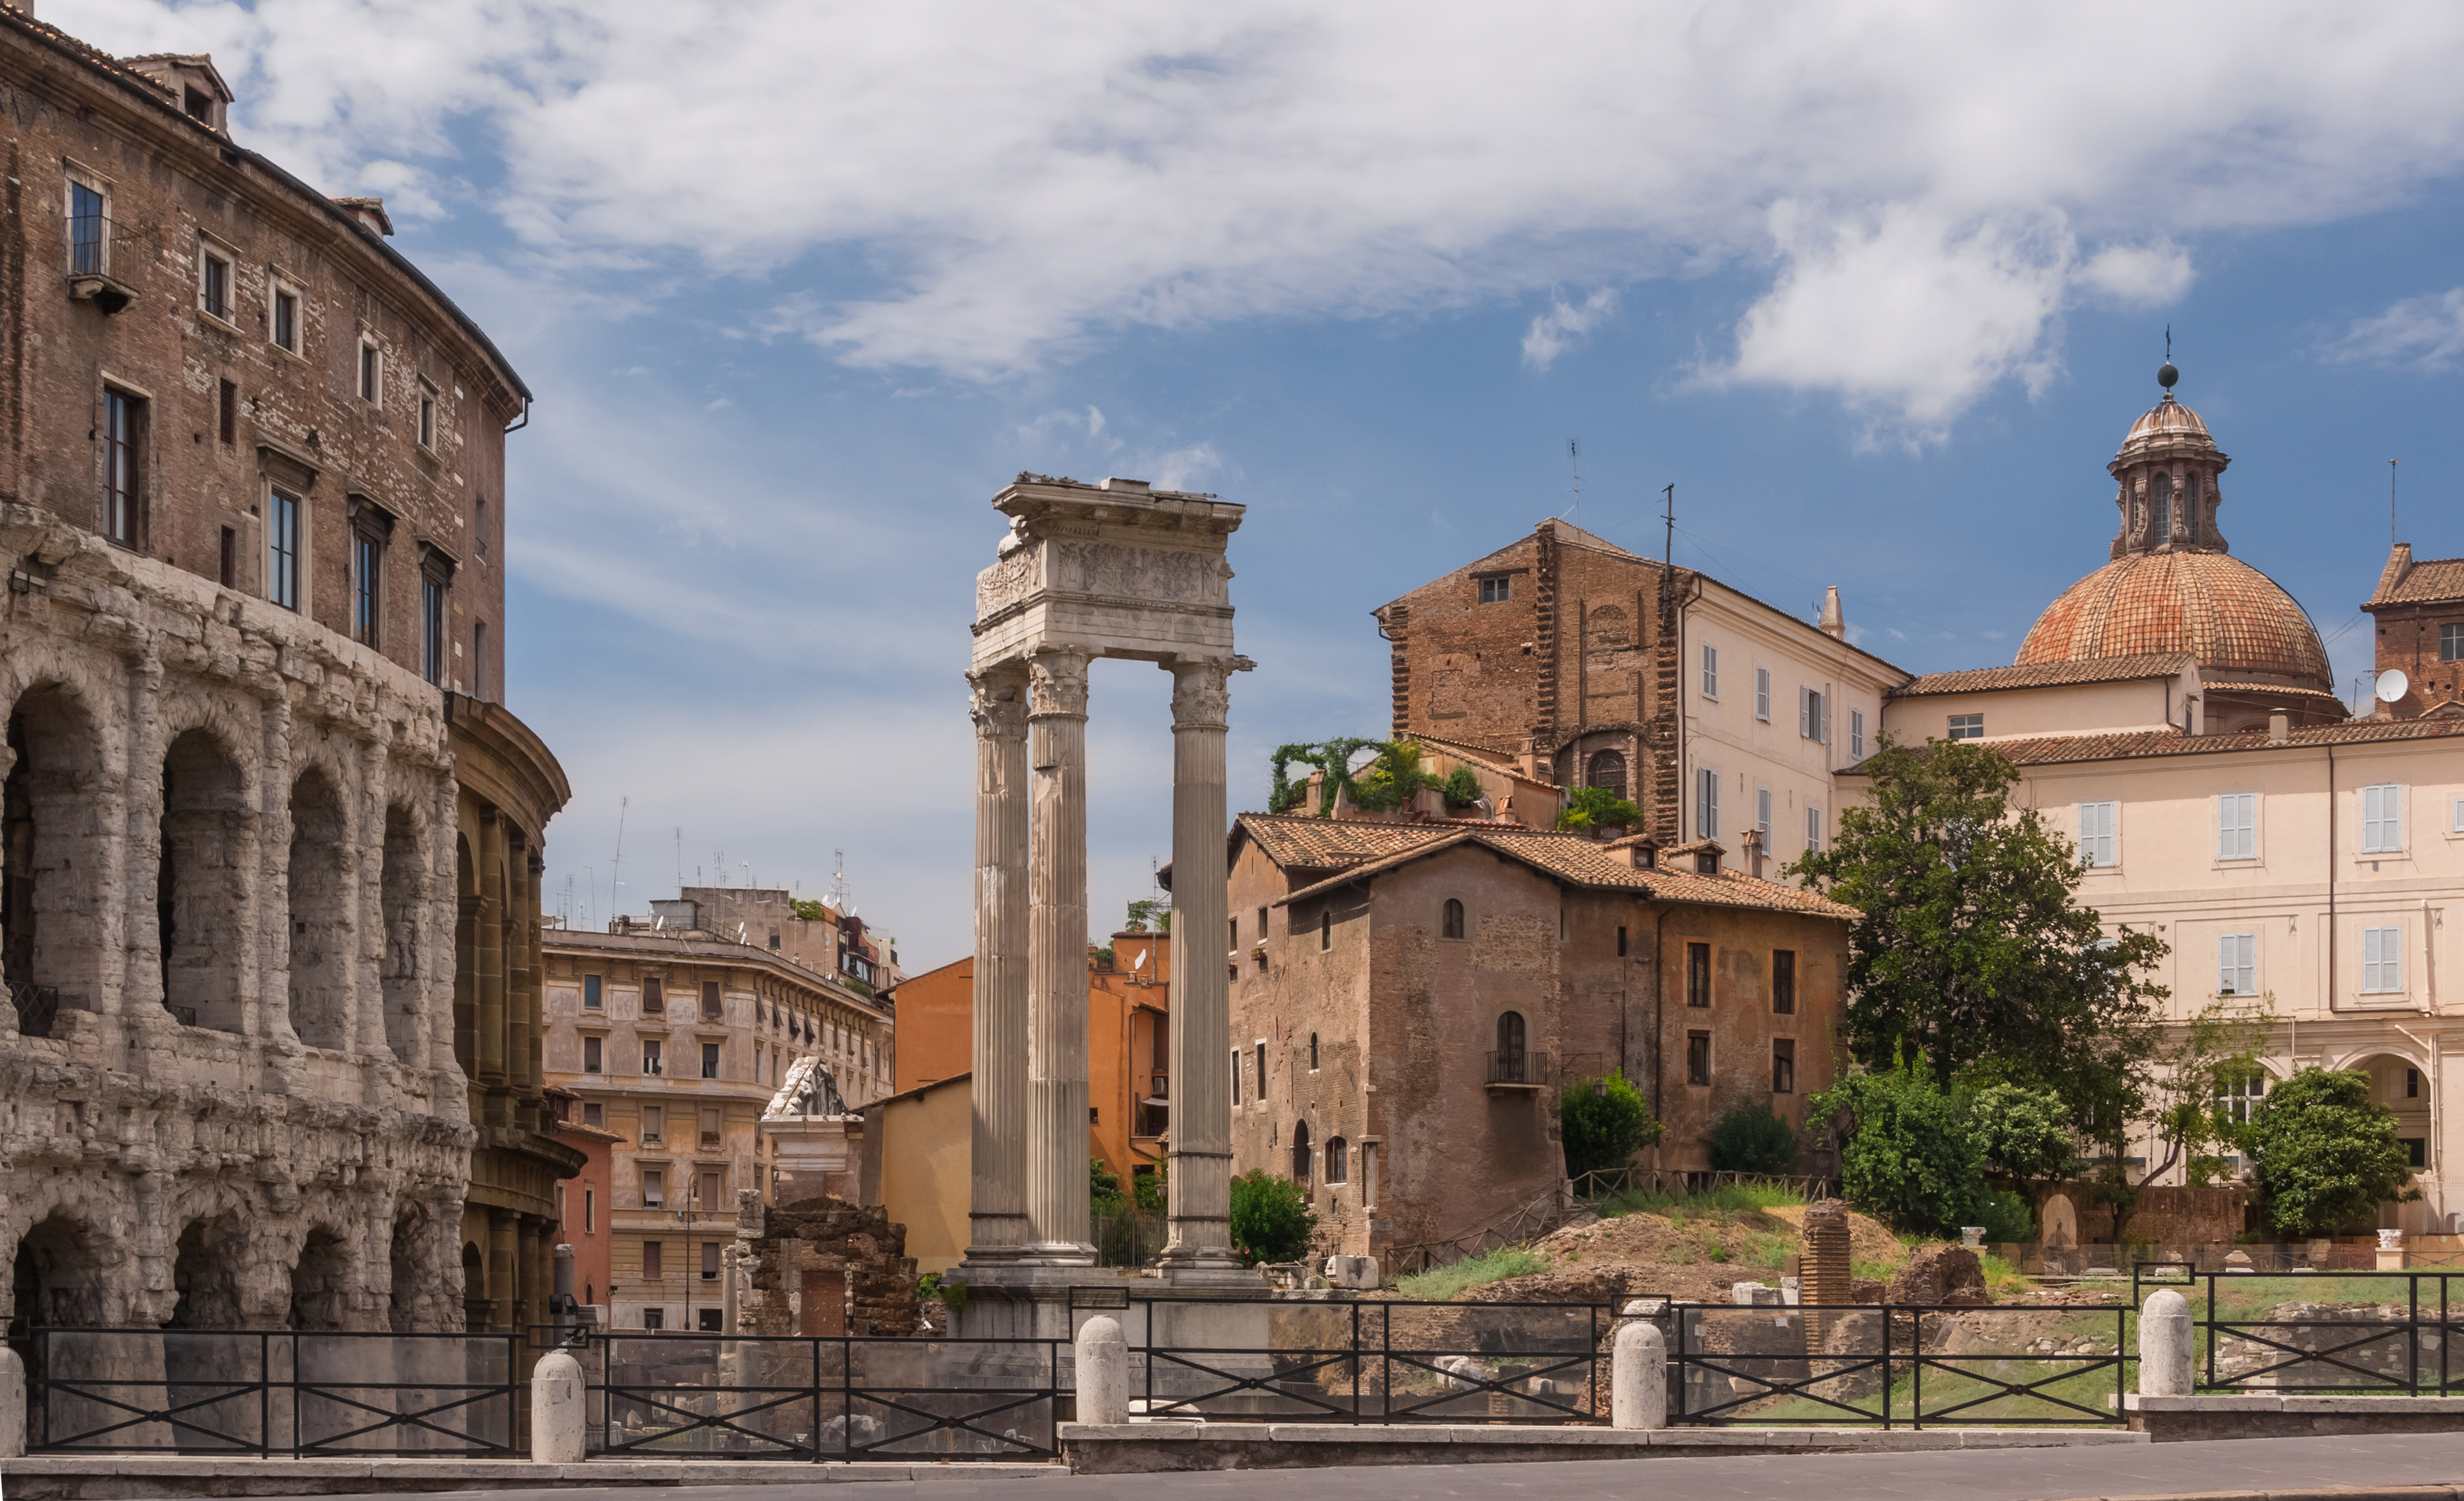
(2392, 685)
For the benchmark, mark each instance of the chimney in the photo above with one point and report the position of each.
(2279, 727)
(1833, 623)
(24, 7)
(1755, 854)
(370, 215)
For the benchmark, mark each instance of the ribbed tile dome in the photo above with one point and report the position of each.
(2229, 615)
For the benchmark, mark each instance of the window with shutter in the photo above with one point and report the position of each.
(2237, 825)
(1707, 803)
(2237, 964)
(1857, 734)
(2096, 841)
(2382, 960)
(2382, 819)
(1804, 711)
(1710, 671)
(1762, 693)
(1813, 829)
(1762, 813)
(2459, 816)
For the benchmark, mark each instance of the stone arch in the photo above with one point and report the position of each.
(320, 913)
(206, 1274)
(202, 880)
(61, 1275)
(322, 1280)
(401, 973)
(1607, 771)
(417, 1298)
(52, 848)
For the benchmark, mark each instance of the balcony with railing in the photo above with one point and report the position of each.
(98, 249)
(1513, 1072)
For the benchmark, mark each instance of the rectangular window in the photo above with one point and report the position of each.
(227, 567)
(1621, 940)
(654, 1060)
(654, 1319)
(2382, 819)
(589, 1210)
(2450, 643)
(2237, 825)
(709, 1059)
(1338, 1162)
(1762, 693)
(123, 431)
(1698, 975)
(1707, 803)
(1262, 1072)
(2458, 821)
(371, 372)
(1783, 981)
(654, 1119)
(432, 622)
(1762, 813)
(1236, 1075)
(480, 659)
(593, 1056)
(1813, 715)
(426, 416)
(654, 996)
(227, 415)
(2382, 960)
(2096, 842)
(710, 1261)
(1710, 671)
(1813, 829)
(282, 533)
(213, 282)
(595, 1114)
(1232, 934)
(89, 231)
(707, 1191)
(652, 1270)
(1496, 591)
(1698, 1058)
(2237, 964)
(286, 318)
(591, 999)
(2416, 1151)
(367, 584)
(2412, 1084)
(1784, 1065)
(1967, 726)
(1857, 734)
(709, 1006)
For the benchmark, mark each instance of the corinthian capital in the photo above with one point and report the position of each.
(1059, 679)
(1202, 693)
(996, 701)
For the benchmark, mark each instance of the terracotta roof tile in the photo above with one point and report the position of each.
(2047, 674)
(2055, 749)
(2220, 609)
(1333, 843)
(2432, 581)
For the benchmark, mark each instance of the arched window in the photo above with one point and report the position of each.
(2163, 531)
(1511, 1056)
(1338, 1160)
(1608, 771)
(1313, 1052)
(1324, 930)
(1301, 1154)
(1452, 922)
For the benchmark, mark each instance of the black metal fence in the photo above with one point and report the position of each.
(261, 1392)
(2339, 1332)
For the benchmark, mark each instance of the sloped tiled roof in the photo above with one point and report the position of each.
(2046, 674)
(2211, 605)
(1298, 841)
(2057, 749)
(2432, 581)
(1570, 858)
(1495, 757)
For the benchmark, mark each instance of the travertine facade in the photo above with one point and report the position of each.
(249, 486)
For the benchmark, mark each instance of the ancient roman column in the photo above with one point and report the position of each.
(997, 1202)
(1058, 1220)
(1200, 1187)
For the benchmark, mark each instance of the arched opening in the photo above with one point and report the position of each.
(58, 1279)
(1513, 1058)
(2162, 532)
(320, 916)
(398, 904)
(466, 957)
(1303, 1159)
(320, 1283)
(2403, 1087)
(1450, 923)
(205, 1274)
(1607, 771)
(1313, 1052)
(198, 883)
(50, 921)
(407, 1299)
(474, 1287)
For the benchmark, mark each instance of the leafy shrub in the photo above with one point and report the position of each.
(1912, 1160)
(1462, 787)
(1602, 1122)
(1598, 807)
(2022, 1132)
(1753, 1138)
(2006, 1219)
(1440, 1283)
(1104, 1188)
(2327, 1154)
(1271, 1220)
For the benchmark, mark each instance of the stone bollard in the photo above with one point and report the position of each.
(2165, 1345)
(12, 1405)
(1103, 1370)
(558, 1421)
(1638, 1377)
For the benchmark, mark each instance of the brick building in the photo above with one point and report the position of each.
(1408, 998)
(271, 836)
(2418, 613)
(1569, 659)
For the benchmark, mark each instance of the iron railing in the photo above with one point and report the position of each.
(2338, 1332)
(1518, 1067)
(273, 1392)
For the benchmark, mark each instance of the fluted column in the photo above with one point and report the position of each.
(1201, 1186)
(996, 1200)
(1057, 1212)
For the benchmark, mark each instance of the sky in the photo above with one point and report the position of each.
(1877, 284)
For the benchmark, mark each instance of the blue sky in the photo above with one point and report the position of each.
(1879, 286)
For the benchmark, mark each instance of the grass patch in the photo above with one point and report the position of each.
(1732, 1197)
(1440, 1283)
(1772, 1250)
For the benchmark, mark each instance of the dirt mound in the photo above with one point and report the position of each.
(1868, 1238)
(1939, 1274)
(1697, 1255)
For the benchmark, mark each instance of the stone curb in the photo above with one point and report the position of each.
(132, 1475)
(2348, 1494)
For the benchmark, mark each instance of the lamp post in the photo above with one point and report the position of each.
(686, 1216)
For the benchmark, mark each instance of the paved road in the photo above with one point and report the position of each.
(2276, 1464)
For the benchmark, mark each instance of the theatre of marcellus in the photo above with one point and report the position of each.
(272, 839)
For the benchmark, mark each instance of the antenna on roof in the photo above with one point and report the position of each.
(1574, 458)
(616, 866)
(2392, 532)
(680, 854)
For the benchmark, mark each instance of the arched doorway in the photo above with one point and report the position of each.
(1302, 1157)
(50, 823)
(320, 914)
(205, 1274)
(206, 849)
(398, 902)
(320, 1283)
(2403, 1087)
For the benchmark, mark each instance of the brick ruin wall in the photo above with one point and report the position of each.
(778, 1245)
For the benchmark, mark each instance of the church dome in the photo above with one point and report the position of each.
(2237, 621)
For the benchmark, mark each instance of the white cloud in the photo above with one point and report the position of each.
(2426, 333)
(1564, 326)
(1070, 173)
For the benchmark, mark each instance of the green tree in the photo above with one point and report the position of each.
(1151, 1191)
(1271, 1220)
(1971, 949)
(1598, 807)
(1147, 912)
(2327, 1154)
(2222, 1042)
(1910, 1158)
(1462, 787)
(1753, 1138)
(1104, 1188)
(1601, 1122)
(2023, 1133)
